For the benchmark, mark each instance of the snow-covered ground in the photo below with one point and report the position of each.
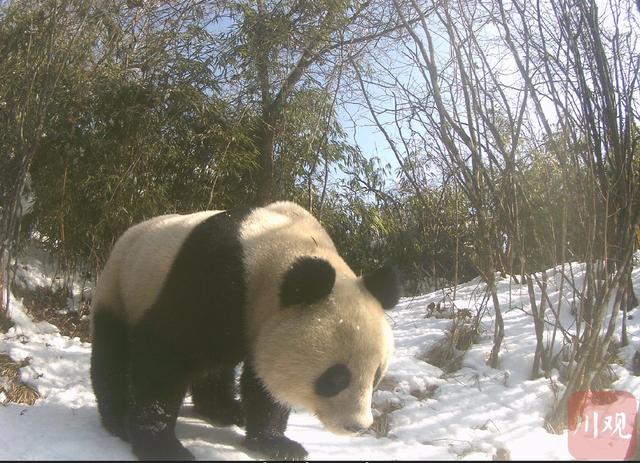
(475, 412)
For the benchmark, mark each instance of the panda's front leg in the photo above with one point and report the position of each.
(213, 395)
(266, 420)
(157, 389)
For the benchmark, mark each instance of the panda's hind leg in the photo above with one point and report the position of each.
(109, 369)
(213, 392)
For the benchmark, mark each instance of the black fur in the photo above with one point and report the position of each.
(308, 280)
(213, 394)
(194, 334)
(109, 372)
(158, 382)
(384, 285)
(196, 324)
(333, 381)
(266, 420)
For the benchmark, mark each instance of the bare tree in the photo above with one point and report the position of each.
(458, 107)
(285, 45)
(486, 85)
(584, 62)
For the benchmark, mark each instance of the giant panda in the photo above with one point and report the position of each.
(183, 299)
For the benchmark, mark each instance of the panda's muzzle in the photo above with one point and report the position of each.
(347, 425)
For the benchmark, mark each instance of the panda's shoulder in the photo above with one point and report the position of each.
(281, 213)
(178, 223)
(288, 208)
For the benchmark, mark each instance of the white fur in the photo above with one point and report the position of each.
(294, 346)
(273, 237)
(140, 262)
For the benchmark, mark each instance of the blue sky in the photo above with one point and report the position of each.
(363, 132)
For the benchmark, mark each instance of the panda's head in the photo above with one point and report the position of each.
(328, 344)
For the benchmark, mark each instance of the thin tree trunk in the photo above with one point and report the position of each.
(265, 176)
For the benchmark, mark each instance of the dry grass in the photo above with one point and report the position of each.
(443, 355)
(427, 393)
(381, 420)
(12, 389)
(502, 454)
(380, 426)
(603, 379)
(381, 411)
(448, 352)
(386, 384)
(50, 305)
(8, 368)
(21, 393)
(438, 310)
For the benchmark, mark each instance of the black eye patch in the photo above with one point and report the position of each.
(308, 280)
(334, 380)
(377, 378)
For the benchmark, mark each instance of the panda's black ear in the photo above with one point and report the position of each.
(384, 284)
(308, 280)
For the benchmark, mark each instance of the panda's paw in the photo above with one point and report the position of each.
(227, 415)
(116, 428)
(162, 450)
(276, 447)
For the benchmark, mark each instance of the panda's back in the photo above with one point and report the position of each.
(141, 261)
(215, 268)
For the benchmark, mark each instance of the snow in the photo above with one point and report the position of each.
(475, 412)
